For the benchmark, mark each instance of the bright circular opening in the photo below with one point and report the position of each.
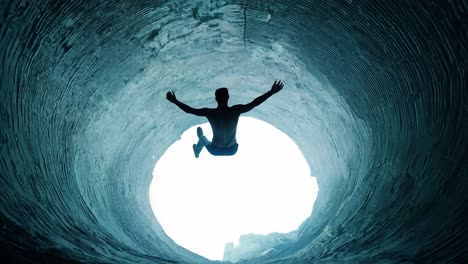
(205, 203)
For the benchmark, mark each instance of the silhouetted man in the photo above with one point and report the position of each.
(223, 120)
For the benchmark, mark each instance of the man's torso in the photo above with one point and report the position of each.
(223, 122)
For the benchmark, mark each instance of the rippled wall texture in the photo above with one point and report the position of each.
(375, 96)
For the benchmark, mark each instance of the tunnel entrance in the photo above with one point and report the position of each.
(205, 203)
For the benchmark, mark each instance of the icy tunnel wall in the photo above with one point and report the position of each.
(376, 97)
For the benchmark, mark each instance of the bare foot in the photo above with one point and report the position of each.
(197, 153)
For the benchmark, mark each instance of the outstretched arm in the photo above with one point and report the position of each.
(277, 86)
(187, 109)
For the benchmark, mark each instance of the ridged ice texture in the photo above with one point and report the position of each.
(375, 96)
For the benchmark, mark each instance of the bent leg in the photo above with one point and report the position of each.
(202, 142)
(202, 138)
(197, 148)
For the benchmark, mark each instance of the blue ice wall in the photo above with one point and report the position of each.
(375, 96)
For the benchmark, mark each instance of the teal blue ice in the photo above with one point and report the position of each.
(375, 96)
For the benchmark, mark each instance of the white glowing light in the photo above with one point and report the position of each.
(204, 203)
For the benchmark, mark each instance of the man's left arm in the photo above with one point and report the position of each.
(187, 109)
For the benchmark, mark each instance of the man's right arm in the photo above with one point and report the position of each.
(256, 102)
(277, 86)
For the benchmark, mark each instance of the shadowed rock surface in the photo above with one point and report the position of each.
(375, 96)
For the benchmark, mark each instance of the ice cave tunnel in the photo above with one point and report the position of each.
(375, 97)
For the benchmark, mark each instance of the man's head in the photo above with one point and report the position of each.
(222, 95)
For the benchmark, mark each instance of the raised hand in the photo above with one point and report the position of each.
(277, 86)
(171, 96)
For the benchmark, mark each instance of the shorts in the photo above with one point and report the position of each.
(229, 151)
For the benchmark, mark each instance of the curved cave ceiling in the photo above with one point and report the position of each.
(375, 96)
